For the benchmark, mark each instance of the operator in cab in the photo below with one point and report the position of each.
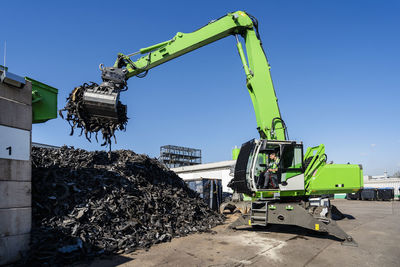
(271, 175)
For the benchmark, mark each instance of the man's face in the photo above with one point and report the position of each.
(272, 156)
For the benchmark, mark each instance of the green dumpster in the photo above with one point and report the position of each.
(44, 101)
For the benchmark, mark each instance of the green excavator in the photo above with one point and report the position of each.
(304, 180)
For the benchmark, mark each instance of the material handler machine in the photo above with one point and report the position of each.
(305, 179)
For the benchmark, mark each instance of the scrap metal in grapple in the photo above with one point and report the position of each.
(85, 112)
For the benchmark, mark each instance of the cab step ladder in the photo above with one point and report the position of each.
(258, 213)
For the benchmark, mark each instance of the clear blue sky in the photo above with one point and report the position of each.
(335, 66)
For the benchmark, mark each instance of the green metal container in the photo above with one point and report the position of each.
(44, 101)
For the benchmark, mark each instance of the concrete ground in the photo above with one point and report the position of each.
(375, 226)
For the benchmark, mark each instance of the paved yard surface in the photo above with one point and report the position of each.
(376, 228)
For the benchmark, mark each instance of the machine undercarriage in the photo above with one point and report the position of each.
(315, 214)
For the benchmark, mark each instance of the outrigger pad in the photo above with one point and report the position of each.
(95, 109)
(350, 242)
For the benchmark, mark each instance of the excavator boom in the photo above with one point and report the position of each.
(101, 101)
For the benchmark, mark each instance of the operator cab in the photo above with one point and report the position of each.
(269, 165)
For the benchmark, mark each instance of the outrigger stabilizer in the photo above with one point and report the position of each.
(317, 215)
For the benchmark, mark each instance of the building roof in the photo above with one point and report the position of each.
(206, 166)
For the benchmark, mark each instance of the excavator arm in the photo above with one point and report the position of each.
(102, 101)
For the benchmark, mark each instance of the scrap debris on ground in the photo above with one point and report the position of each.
(85, 204)
(78, 117)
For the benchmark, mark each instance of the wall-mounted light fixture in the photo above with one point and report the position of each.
(11, 78)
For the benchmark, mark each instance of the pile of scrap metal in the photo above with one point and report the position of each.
(87, 204)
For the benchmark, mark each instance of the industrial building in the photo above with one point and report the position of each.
(177, 156)
(222, 170)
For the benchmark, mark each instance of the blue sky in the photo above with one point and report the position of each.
(335, 66)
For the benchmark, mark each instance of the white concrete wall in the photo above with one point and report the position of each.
(15, 171)
(214, 174)
(215, 170)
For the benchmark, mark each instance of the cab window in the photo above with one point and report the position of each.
(292, 158)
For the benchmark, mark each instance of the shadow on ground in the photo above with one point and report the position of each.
(300, 232)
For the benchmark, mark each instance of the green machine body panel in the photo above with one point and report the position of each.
(235, 153)
(336, 178)
(44, 101)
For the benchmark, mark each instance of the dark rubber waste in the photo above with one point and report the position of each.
(79, 117)
(87, 204)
